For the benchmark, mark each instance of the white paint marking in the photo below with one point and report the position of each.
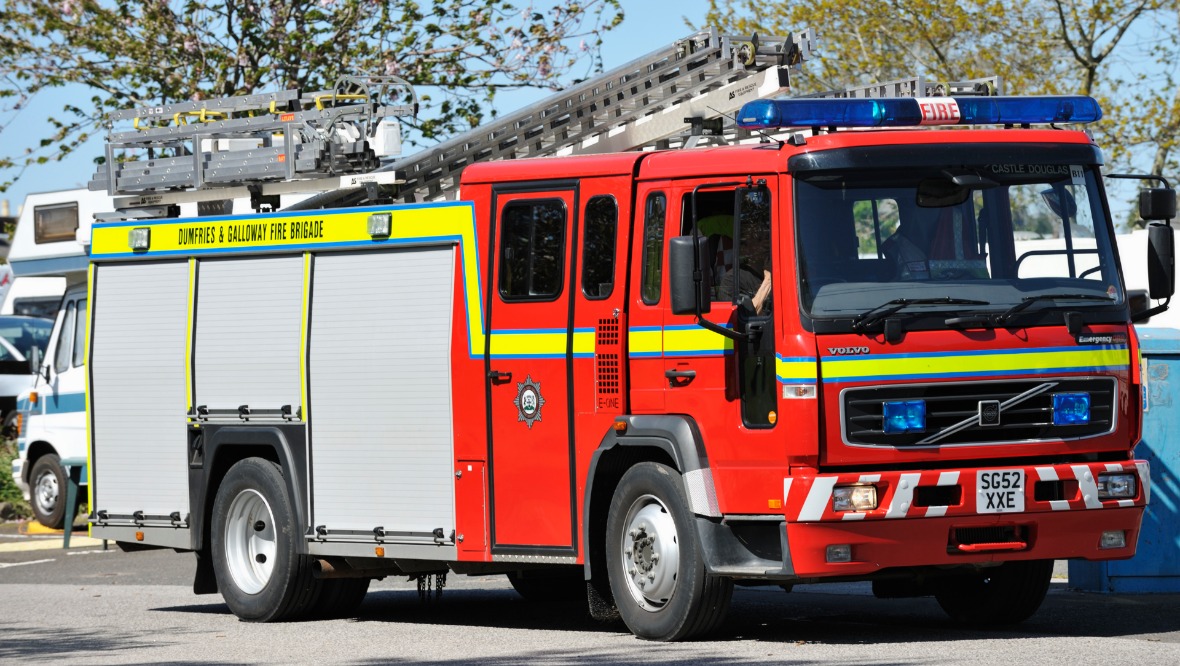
(21, 564)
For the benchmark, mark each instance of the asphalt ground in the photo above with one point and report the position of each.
(89, 605)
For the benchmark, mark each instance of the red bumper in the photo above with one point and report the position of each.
(944, 518)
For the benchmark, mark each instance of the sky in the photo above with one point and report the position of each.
(647, 26)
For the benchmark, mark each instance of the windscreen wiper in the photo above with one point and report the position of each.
(876, 314)
(1029, 300)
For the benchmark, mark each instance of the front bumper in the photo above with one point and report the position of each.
(929, 519)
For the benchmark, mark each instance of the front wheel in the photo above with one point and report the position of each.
(657, 574)
(1007, 594)
(254, 538)
(47, 490)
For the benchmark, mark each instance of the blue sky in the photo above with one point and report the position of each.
(648, 25)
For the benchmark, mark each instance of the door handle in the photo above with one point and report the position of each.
(498, 377)
(680, 377)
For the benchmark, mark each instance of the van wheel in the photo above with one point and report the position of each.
(254, 539)
(654, 562)
(8, 429)
(1007, 594)
(47, 489)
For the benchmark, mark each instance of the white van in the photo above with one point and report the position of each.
(49, 256)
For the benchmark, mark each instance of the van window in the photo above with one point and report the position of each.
(80, 335)
(54, 223)
(598, 251)
(532, 250)
(65, 339)
(653, 247)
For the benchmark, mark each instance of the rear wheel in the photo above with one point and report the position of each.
(657, 574)
(1007, 594)
(254, 539)
(47, 489)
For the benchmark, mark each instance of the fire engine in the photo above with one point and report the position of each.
(852, 347)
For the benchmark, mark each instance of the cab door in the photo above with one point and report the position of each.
(528, 356)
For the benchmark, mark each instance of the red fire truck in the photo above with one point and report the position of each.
(901, 355)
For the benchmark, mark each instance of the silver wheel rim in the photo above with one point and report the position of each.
(46, 492)
(650, 552)
(250, 542)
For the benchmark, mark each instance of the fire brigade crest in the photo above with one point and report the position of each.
(528, 401)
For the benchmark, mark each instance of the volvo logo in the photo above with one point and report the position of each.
(847, 351)
(989, 412)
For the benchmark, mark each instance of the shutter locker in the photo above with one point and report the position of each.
(137, 380)
(247, 342)
(380, 391)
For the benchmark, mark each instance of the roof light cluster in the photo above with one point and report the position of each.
(915, 111)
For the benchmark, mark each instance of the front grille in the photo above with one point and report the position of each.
(952, 412)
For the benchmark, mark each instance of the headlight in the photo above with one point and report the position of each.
(1117, 486)
(854, 498)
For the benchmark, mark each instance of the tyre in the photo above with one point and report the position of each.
(654, 562)
(254, 540)
(8, 429)
(1007, 594)
(550, 586)
(47, 490)
(339, 597)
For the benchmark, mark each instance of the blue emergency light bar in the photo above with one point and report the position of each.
(915, 111)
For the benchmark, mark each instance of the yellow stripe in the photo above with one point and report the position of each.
(305, 406)
(188, 335)
(86, 384)
(804, 371)
(695, 340)
(645, 341)
(991, 363)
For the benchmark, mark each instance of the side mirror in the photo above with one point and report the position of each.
(1157, 203)
(1161, 256)
(690, 275)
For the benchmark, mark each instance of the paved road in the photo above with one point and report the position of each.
(89, 606)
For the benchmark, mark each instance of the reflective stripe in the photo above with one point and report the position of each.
(817, 498)
(1088, 486)
(897, 367)
(903, 496)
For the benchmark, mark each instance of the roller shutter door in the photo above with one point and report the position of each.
(138, 399)
(248, 328)
(380, 392)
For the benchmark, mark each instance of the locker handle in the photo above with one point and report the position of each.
(499, 377)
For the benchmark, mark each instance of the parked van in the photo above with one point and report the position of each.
(49, 255)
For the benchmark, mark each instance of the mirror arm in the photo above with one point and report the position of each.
(721, 330)
(1147, 314)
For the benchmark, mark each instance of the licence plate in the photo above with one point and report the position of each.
(999, 491)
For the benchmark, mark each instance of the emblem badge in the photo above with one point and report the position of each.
(989, 412)
(529, 401)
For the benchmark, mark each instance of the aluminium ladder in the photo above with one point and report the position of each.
(675, 96)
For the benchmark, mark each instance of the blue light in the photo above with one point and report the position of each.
(903, 416)
(915, 111)
(1028, 110)
(1071, 409)
(770, 113)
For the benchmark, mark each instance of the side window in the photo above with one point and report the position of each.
(532, 250)
(80, 335)
(54, 223)
(598, 250)
(65, 339)
(653, 247)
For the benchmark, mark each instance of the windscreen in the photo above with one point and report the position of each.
(977, 238)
